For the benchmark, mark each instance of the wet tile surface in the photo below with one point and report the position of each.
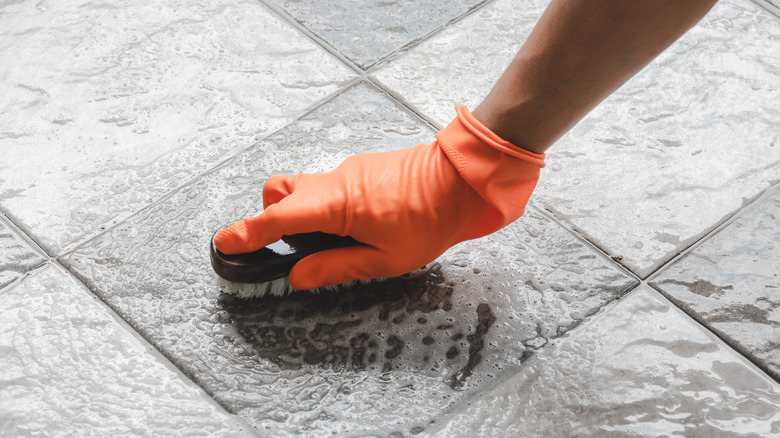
(665, 159)
(68, 364)
(423, 77)
(16, 255)
(367, 31)
(772, 5)
(381, 358)
(640, 369)
(107, 106)
(731, 283)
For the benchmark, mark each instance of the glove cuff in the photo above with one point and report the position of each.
(503, 174)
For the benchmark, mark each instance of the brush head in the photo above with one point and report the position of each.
(247, 291)
(281, 287)
(265, 271)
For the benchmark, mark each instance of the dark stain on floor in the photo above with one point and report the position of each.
(364, 327)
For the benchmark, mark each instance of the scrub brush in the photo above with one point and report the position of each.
(264, 272)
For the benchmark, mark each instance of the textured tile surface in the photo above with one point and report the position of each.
(641, 369)
(367, 31)
(731, 283)
(424, 76)
(377, 359)
(108, 105)
(679, 148)
(16, 255)
(67, 368)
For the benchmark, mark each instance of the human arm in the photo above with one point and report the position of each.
(579, 52)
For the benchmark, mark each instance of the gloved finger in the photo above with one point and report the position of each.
(285, 217)
(279, 187)
(341, 265)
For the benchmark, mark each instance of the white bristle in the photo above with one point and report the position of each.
(248, 291)
(282, 286)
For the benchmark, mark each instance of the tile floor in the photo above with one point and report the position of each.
(637, 297)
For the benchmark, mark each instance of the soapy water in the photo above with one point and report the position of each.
(397, 323)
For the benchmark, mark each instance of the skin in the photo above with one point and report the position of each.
(578, 54)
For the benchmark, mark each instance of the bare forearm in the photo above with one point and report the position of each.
(579, 53)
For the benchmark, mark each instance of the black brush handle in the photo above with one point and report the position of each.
(275, 260)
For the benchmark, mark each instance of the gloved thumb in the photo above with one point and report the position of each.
(340, 265)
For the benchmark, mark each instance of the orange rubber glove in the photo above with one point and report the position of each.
(408, 206)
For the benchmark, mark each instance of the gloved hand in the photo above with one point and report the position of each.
(408, 206)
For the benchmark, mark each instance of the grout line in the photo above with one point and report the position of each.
(34, 246)
(421, 118)
(29, 239)
(24, 276)
(645, 282)
(148, 345)
(758, 368)
(683, 252)
(396, 95)
(382, 60)
(395, 53)
(768, 7)
(282, 14)
(577, 235)
(311, 109)
(768, 192)
(399, 98)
